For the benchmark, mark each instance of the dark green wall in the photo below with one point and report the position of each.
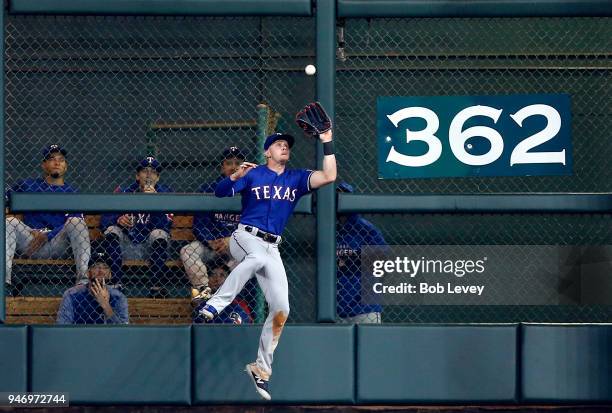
(313, 364)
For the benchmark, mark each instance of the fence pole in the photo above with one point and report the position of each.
(2, 221)
(326, 197)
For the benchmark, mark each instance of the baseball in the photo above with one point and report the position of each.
(310, 70)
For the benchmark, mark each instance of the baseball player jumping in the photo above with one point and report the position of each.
(269, 192)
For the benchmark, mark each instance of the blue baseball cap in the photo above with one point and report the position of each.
(233, 152)
(345, 187)
(100, 256)
(51, 149)
(277, 137)
(149, 162)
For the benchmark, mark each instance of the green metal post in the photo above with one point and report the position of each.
(2, 221)
(263, 111)
(326, 197)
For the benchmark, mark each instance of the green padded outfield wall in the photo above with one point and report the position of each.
(437, 364)
(13, 358)
(312, 364)
(113, 365)
(566, 363)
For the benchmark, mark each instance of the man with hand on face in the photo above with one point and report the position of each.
(47, 235)
(212, 231)
(95, 302)
(132, 235)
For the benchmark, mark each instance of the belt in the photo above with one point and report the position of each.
(266, 236)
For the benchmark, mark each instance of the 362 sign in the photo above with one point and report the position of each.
(444, 136)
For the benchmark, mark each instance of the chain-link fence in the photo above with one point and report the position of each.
(468, 233)
(147, 104)
(151, 103)
(476, 56)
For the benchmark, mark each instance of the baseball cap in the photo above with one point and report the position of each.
(48, 150)
(277, 137)
(345, 187)
(149, 162)
(232, 152)
(100, 256)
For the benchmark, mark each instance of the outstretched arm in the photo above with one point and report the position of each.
(329, 172)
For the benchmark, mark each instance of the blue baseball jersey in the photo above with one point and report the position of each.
(144, 223)
(268, 198)
(51, 222)
(209, 226)
(79, 306)
(350, 237)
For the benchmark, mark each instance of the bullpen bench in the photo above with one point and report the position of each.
(43, 310)
(181, 231)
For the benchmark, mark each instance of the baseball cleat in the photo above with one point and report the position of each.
(261, 385)
(208, 312)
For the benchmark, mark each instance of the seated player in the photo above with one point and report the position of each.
(136, 235)
(47, 235)
(94, 302)
(212, 231)
(237, 312)
(353, 232)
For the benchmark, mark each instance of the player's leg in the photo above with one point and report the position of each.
(78, 234)
(157, 243)
(192, 256)
(57, 247)
(273, 283)
(158, 246)
(246, 249)
(18, 237)
(114, 239)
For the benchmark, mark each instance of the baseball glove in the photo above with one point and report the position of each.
(313, 119)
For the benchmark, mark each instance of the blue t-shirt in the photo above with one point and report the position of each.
(145, 222)
(268, 199)
(350, 237)
(210, 226)
(50, 222)
(79, 306)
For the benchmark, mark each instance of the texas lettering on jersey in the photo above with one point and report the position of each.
(262, 191)
(274, 192)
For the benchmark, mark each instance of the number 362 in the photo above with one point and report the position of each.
(458, 137)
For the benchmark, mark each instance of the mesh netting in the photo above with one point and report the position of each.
(467, 230)
(113, 91)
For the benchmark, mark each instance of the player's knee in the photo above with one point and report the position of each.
(112, 230)
(281, 308)
(12, 222)
(76, 222)
(78, 226)
(279, 319)
(158, 234)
